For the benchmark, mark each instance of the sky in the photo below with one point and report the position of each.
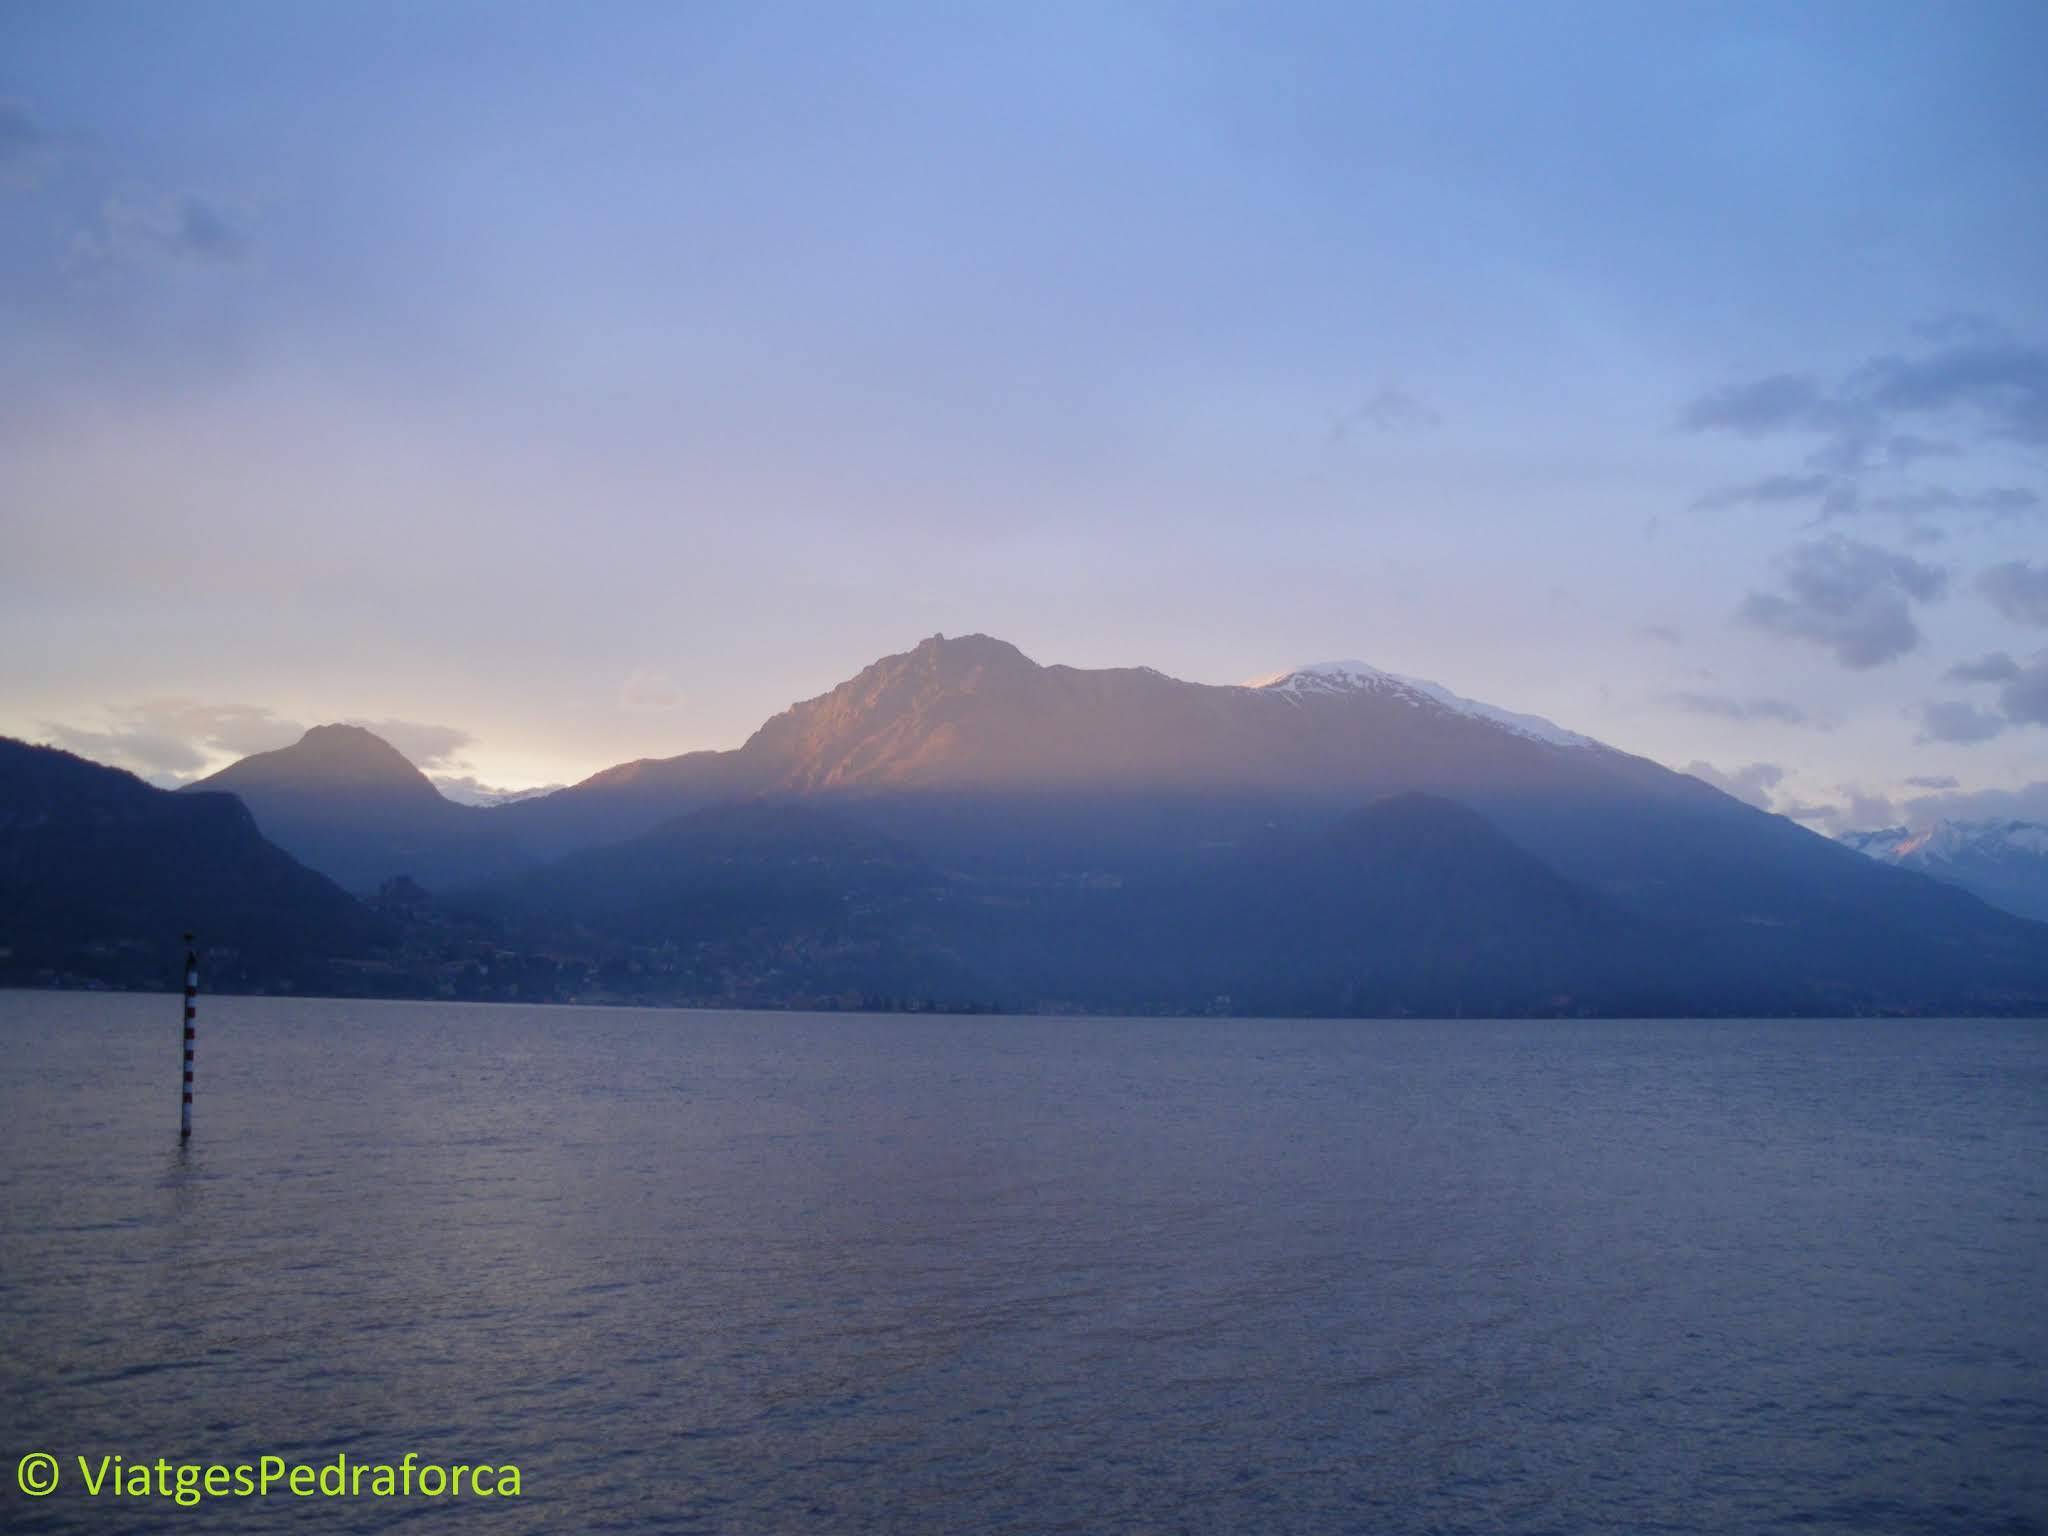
(549, 386)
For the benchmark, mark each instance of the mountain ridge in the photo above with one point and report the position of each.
(348, 803)
(2001, 860)
(100, 873)
(1085, 837)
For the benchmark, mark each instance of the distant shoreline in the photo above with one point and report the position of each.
(632, 1006)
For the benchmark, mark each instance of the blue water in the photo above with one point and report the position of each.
(766, 1273)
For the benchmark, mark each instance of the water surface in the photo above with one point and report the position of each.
(771, 1272)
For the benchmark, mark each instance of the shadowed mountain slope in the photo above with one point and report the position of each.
(100, 873)
(344, 801)
(2003, 862)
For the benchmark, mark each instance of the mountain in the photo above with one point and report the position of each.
(2002, 862)
(621, 802)
(1121, 838)
(1412, 905)
(974, 716)
(764, 901)
(989, 764)
(100, 874)
(1419, 905)
(345, 802)
(960, 821)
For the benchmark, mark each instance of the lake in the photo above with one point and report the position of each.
(764, 1273)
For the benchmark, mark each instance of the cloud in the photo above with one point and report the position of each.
(2019, 591)
(649, 693)
(1387, 410)
(1868, 810)
(1722, 707)
(2024, 695)
(137, 749)
(1987, 381)
(1995, 668)
(1772, 490)
(1963, 390)
(2022, 688)
(424, 746)
(175, 736)
(1852, 599)
(1861, 812)
(1752, 784)
(1997, 503)
(1904, 448)
(1663, 634)
(27, 150)
(1958, 721)
(186, 229)
(1783, 402)
(1932, 781)
(2001, 381)
(2027, 803)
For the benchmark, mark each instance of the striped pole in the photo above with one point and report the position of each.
(191, 1009)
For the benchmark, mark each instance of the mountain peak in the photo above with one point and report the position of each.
(1354, 677)
(329, 757)
(2002, 861)
(963, 651)
(1952, 838)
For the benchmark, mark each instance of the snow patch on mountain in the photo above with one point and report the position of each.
(1947, 841)
(468, 790)
(2002, 862)
(1341, 677)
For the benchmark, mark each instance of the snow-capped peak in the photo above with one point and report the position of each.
(1950, 840)
(1336, 677)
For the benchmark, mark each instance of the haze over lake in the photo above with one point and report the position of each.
(780, 1272)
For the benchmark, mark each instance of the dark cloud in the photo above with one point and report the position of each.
(27, 150)
(2027, 803)
(1992, 382)
(1772, 490)
(424, 746)
(1784, 402)
(1388, 410)
(1752, 784)
(2024, 695)
(1906, 447)
(1663, 634)
(1955, 720)
(1932, 781)
(1858, 810)
(2001, 381)
(1999, 503)
(1995, 668)
(1726, 708)
(2018, 590)
(1867, 431)
(1853, 599)
(2022, 688)
(186, 229)
(1959, 326)
(1868, 810)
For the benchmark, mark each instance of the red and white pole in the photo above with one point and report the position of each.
(191, 1010)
